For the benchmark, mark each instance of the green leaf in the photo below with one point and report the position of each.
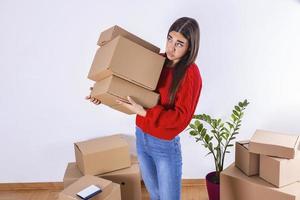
(230, 125)
(197, 123)
(193, 133)
(234, 117)
(237, 108)
(241, 104)
(236, 113)
(206, 138)
(200, 127)
(232, 138)
(193, 126)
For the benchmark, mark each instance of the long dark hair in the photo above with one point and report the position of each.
(189, 28)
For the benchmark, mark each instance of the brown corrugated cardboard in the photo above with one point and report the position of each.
(244, 160)
(112, 32)
(112, 88)
(235, 185)
(115, 193)
(274, 144)
(122, 109)
(129, 61)
(101, 155)
(134, 159)
(69, 193)
(128, 178)
(279, 171)
(73, 173)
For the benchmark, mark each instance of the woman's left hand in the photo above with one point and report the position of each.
(133, 106)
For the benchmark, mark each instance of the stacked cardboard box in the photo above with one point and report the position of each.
(125, 65)
(107, 159)
(110, 190)
(266, 167)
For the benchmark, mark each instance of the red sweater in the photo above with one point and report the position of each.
(166, 122)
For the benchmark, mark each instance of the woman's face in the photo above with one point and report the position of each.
(176, 47)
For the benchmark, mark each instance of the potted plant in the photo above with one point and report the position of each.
(217, 137)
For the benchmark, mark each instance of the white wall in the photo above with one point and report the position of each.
(249, 49)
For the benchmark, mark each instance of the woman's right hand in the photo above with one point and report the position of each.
(92, 99)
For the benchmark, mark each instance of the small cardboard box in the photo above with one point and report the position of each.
(129, 61)
(279, 171)
(111, 88)
(101, 155)
(235, 185)
(128, 178)
(274, 144)
(70, 192)
(244, 160)
(114, 31)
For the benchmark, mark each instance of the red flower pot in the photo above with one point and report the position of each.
(213, 189)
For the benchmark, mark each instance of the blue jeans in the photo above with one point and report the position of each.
(160, 164)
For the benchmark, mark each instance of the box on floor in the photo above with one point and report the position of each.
(235, 185)
(101, 155)
(128, 178)
(108, 189)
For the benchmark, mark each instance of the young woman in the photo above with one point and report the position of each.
(157, 128)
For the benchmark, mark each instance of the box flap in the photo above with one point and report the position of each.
(101, 62)
(274, 138)
(115, 31)
(72, 171)
(101, 144)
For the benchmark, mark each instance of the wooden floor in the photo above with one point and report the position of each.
(189, 192)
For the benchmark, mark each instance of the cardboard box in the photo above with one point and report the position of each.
(244, 160)
(274, 144)
(69, 193)
(279, 171)
(115, 193)
(101, 155)
(112, 88)
(134, 159)
(112, 32)
(122, 109)
(129, 61)
(73, 173)
(128, 178)
(235, 185)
